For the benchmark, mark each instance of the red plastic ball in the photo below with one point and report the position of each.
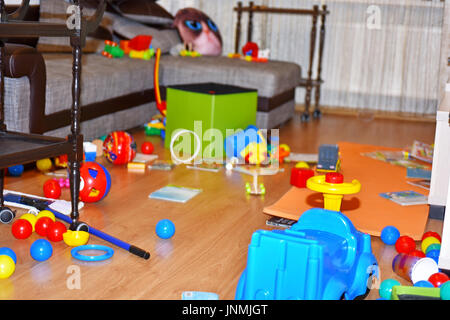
(438, 278)
(432, 234)
(52, 189)
(119, 147)
(147, 147)
(405, 244)
(417, 253)
(21, 229)
(55, 231)
(42, 225)
(95, 182)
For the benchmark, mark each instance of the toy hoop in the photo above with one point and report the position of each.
(77, 255)
(179, 133)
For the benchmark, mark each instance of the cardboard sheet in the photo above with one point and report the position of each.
(368, 211)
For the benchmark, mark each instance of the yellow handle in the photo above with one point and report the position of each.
(332, 192)
(317, 183)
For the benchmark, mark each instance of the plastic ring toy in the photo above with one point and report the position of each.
(76, 252)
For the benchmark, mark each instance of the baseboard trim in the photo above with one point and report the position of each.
(375, 114)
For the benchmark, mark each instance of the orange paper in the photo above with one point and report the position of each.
(368, 211)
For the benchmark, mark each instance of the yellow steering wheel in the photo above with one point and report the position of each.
(333, 187)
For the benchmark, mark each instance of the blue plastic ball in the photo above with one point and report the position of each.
(385, 290)
(8, 252)
(165, 229)
(434, 254)
(445, 290)
(16, 171)
(41, 250)
(389, 235)
(423, 284)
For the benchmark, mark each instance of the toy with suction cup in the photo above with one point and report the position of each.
(334, 188)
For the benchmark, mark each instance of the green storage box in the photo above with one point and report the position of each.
(203, 106)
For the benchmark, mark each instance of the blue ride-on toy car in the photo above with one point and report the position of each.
(321, 257)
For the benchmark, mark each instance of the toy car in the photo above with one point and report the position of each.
(321, 257)
(328, 158)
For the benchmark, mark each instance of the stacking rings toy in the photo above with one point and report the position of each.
(77, 255)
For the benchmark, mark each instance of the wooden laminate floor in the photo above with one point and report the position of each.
(209, 249)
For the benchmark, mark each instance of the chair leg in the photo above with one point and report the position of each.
(305, 115)
(317, 113)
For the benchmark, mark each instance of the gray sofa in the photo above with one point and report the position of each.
(117, 94)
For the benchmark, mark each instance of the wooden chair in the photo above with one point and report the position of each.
(317, 14)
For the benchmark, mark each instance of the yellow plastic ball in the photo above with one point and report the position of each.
(302, 165)
(44, 165)
(427, 242)
(31, 218)
(7, 266)
(45, 213)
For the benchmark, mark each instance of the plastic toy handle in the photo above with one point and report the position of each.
(318, 183)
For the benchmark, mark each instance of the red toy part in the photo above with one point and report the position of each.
(55, 231)
(42, 225)
(52, 189)
(95, 182)
(250, 49)
(417, 253)
(432, 234)
(161, 105)
(119, 147)
(140, 43)
(437, 279)
(299, 176)
(147, 147)
(334, 177)
(21, 229)
(405, 244)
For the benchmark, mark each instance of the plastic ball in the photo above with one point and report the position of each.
(16, 171)
(405, 244)
(417, 253)
(95, 182)
(8, 252)
(21, 229)
(437, 279)
(7, 266)
(434, 254)
(385, 290)
(41, 250)
(165, 229)
(119, 147)
(44, 165)
(445, 291)
(147, 147)
(55, 231)
(427, 242)
(431, 234)
(42, 225)
(389, 235)
(424, 284)
(52, 189)
(31, 218)
(46, 213)
(434, 246)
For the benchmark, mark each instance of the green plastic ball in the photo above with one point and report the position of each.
(445, 291)
(385, 290)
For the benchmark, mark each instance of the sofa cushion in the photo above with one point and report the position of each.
(270, 79)
(101, 79)
(146, 11)
(164, 39)
(55, 11)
